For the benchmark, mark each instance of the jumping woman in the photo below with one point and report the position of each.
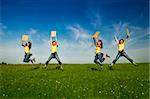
(54, 54)
(27, 47)
(121, 52)
(99, 56)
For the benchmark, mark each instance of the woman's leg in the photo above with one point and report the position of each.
(57, 58)
(100, 57)
(50, 57)
(26, 58)
(117, 57)
(60, 63)
(95, 60)
(127, 57)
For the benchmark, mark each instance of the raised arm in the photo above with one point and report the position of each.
(57, 43)
(116, 39)
(95, 41)
(22, 43)
(128, 34)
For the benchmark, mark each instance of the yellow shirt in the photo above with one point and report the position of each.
(54, 49)
(97, 50)
(26, 49)
(121, 47)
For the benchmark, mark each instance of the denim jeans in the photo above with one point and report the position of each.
(53, 55)
(122, 54)
(27, 57)
(99, 57)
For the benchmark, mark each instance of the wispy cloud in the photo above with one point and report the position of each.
(120, 29)
(78, 31)
(95, 18)
(32, 31)
(78, 50)
(2, 29)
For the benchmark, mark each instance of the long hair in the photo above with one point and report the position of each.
(30, 44)
(101, 43)
(120, 40)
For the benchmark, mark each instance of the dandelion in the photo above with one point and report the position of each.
(100, 92)
(142, 93)
(4, 95)
(113, 92)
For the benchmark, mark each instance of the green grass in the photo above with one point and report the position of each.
(76, 81)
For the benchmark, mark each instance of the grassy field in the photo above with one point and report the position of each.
(76, 81)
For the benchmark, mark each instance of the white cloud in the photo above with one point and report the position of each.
(95, 18)
(2, 29)
(78, 50)
(78, 31)
(120, 29)
(32, 31)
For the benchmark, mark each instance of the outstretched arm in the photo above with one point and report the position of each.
(116, 39)
(128, 34)
(95, 41)
(22, 43)
(57, 43)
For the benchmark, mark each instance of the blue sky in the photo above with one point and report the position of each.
(75, 21)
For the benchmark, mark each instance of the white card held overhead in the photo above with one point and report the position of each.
(53, 33)
(25, 37)
(53, 36)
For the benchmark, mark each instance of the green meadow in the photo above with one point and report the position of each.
(75, 82)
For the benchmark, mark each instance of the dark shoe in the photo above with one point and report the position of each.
(34, 60)
(107, 56)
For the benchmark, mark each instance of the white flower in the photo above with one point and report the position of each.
(121, 85)
(99, 92)
(3, 94)
(142, 85)
(57, 82)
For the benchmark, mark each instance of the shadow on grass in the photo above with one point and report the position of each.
(54, 68)
(93, 69)
(34, 68)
